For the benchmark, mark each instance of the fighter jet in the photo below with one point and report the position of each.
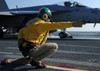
(64, 11)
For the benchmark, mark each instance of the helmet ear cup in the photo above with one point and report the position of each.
(45, 16)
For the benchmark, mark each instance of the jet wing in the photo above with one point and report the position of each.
(14, 13)
(23, 12)
(6, 13)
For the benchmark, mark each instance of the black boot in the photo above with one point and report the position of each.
(4, 62)
(37, 64)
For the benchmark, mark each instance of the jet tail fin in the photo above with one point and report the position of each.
(3, 6)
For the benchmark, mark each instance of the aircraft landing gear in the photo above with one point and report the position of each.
(1, 33)
(64, 35)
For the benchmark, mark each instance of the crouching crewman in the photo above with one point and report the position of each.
(32, 38)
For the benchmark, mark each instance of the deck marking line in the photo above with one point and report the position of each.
(62, 67)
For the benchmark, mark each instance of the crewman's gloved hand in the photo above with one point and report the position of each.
(78, 23)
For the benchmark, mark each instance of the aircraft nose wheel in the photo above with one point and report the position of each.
(63, 35)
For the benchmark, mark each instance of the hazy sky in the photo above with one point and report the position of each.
(27, 3)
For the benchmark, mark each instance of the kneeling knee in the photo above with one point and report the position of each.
(55, 46)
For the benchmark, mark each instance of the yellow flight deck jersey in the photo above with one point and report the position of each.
(37, 30)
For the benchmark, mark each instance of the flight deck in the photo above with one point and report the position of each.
(72, 55)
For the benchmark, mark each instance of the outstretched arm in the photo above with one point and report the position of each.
(47, 26)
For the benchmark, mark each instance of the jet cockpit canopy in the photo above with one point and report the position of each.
(71, 4)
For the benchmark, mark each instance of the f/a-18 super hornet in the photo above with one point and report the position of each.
(64, 11)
